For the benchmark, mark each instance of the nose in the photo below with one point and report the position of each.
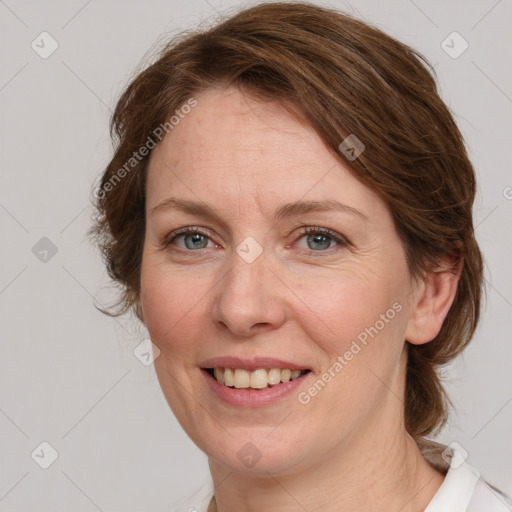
(248, 299)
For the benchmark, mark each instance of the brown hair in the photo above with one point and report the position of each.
(345, 77)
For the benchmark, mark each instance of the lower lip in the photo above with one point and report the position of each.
(252, 397)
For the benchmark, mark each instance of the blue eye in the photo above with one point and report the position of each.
(321, 239)
(319, 242)
(193, 239)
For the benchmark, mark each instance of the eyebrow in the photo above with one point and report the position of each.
(303, 207)
(285, 211)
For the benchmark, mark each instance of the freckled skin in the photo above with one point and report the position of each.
(246, 159)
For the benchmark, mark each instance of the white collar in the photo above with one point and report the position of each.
(460, 480)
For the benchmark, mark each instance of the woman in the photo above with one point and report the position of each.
(288, 211)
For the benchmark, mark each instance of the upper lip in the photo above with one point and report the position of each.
(252, 363)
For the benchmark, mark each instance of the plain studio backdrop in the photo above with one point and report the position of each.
(69, 375)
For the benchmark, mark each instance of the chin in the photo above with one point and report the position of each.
(254, 454)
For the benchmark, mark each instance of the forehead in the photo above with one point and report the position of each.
(231, 148)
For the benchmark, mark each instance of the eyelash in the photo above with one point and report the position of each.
(313, 230)
(309, 230)
(183, 231)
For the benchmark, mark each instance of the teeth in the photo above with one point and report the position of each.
(257, 379)
(286, 375)
(274, 376)
(229, 378)
(242, 378)
(219, 375)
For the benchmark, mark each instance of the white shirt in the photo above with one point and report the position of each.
(463, 489)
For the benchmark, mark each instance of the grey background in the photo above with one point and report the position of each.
(68, 375)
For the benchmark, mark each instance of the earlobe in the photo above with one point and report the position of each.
(433, 299)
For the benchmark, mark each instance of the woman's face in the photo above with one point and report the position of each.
(265, 286)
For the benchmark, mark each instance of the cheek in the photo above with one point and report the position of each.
(171, 302)
(350, 308)
(358, 331)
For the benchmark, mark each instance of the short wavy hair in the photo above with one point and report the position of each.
(345, 77)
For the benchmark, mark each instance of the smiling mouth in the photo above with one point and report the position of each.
(255, 380)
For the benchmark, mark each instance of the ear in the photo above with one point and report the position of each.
(432, 300)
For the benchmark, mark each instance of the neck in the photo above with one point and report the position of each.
(391, 476)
